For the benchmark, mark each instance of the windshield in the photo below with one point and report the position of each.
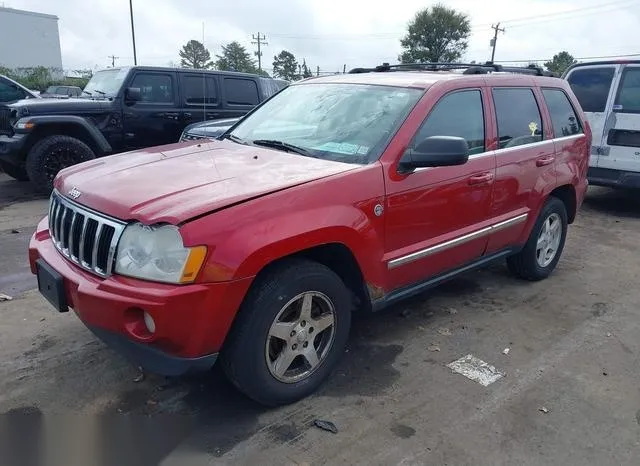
(349, 123)
(106, 83)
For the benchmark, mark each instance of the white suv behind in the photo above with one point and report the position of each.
(609, 93)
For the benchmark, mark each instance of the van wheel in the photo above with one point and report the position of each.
(16, 172)
(52, 154)
(542, 251)
(289, 334)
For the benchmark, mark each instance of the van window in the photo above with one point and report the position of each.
(154, 87)
(591, 87)
(458, 114)
(564, 118)
(628, 98)
(241, 91)
(10, 92)
(518, 115)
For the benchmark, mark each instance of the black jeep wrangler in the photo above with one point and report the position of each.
(122, 109)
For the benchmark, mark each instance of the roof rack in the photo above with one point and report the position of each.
(469, 68)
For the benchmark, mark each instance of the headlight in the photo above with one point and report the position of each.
(156, 253)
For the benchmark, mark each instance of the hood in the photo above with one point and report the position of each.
(177, 182)
(73, 106)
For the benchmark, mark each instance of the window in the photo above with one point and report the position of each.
(564, 118)
(459, 114)
(591, 87)
(241, 91)
(199, 90)
(9, 92)
(628, 98)
(518, 115)
(155, 88)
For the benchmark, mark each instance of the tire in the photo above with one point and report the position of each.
(14, 171)
(249, 354)
(531, 263)
(50, 155)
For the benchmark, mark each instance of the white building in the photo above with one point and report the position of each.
(29, 39)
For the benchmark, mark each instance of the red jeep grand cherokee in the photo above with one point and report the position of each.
(340, 193)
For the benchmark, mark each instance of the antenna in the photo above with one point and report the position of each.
(204, 83)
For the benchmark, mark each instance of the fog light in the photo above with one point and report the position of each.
(149, 322)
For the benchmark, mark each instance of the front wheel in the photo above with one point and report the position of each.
(290, 333)
(52, 154)
(542, 251)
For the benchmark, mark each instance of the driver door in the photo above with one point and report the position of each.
(437, 218)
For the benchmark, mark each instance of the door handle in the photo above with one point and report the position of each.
(481, 178)
(186, 115)
(170, 115)
(546, 160)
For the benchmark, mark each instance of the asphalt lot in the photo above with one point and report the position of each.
(570, 394)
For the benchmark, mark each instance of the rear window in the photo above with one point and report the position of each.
(241, 91)
(518, 115)
(564, 118)
(591, 87)
(628, 98)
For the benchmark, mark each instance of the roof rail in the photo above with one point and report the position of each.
(469, 68)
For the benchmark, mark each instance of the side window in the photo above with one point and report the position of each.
(241, 91)
(518, 115)
(199, 90)
(155, 88)
(591, 87)
(628, 98)
(458, 114)
(10, 92)
(564, 118)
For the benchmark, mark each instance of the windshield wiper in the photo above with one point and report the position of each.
(87, 92)
(234, 138)
(99, 92)
(281, 145)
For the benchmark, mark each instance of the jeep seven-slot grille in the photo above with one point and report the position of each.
(84, 237)
(5, 120)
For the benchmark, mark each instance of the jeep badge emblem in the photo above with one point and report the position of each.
(378, 209)
(75, 193)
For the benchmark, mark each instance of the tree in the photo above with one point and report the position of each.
(436, 34)
(235, 57)
(306, 72)
(285, 66)
(560, 62)
(195, 55)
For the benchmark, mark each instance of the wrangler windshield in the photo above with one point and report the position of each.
(343, 122)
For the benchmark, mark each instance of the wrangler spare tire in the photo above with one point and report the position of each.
(52, 154)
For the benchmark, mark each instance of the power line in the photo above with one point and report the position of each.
(259, 41)
(601, 57)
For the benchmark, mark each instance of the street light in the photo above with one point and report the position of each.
(133, 33)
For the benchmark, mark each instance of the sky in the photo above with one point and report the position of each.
(332, 33)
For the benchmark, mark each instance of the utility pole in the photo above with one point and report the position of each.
(133, 33)
(113, 60)
(317, 71)
(493, 42)
(344, 69)
(259, 41)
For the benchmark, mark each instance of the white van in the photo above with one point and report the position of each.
(609, 93)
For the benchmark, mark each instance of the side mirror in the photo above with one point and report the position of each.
(132, 94)
(436, 151)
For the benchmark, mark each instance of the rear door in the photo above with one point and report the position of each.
(200, 97)
(621, 141)
(525, 158)
(240, 95)
(592, 85)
